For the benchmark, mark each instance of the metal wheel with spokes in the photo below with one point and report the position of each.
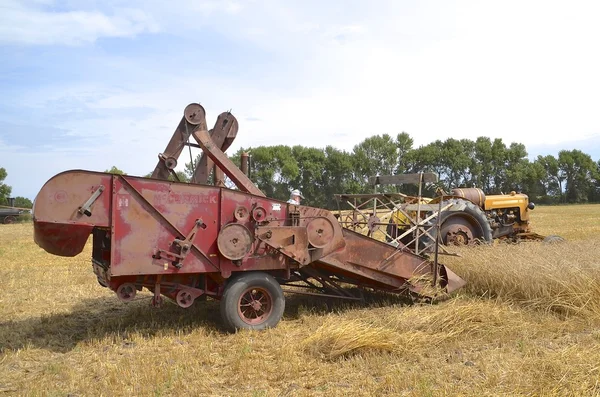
(252, 300)
(255, 306)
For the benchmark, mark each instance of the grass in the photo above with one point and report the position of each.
(528, 323)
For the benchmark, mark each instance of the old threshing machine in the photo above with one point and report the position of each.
(188, 240)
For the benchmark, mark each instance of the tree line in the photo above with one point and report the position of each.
(6, 190)
(492, 165)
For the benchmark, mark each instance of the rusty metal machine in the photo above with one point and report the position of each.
(10, 215)
(189, 240)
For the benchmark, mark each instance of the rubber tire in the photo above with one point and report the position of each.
(474, 216)
(9, 220)
(237, 285)
(553, 239)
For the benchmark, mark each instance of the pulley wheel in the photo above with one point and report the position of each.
(241, 214)
(194, 114)
(184, 299)
(126, 292)
(234, 241)
(320, 232)
(259, 214)
(171, 163)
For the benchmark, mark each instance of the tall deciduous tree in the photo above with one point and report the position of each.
(5, 190)
(552, 179)
(579, 171)
(377, 155)
(23, 202)
(481, 167)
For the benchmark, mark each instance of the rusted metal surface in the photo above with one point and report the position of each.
(255, 305)
(475, 195)
(235, 241)
(456, 231)
(380, 262)
(184, 240)
(244, 163)
(224, 163)
(168, 159)
(222, 135)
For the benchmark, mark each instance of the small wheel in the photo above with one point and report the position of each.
(252, 301)
(553, 239)
(9, 219)
(126, 292)
(184, 299)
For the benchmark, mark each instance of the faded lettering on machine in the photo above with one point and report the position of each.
(184, 198)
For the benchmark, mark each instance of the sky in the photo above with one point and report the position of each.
(92, 84)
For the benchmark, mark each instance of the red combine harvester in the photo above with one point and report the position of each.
(189, 240)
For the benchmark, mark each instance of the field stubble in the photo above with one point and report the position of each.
(527, 323)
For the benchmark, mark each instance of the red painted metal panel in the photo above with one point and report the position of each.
(149, 215)
(58, 226)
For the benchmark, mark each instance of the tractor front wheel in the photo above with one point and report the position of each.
(252, 300)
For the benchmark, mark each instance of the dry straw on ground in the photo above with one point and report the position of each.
(526, 324)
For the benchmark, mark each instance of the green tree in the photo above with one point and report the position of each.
(273, 170)
(376, 155)
(404, 143)
(310, 179)
(499, 160)
(23, 202)
(338, 176)
(595, 194)
(5, 190)
(552, 178)
(533, 182)
(579, 171)
(481, 165)
(115, 170)
(456, 159)
(518, 171)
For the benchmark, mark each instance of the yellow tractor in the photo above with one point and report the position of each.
(472, 216)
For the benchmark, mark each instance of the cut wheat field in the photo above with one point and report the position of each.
(528, 323)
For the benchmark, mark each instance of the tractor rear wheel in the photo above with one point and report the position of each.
(252, 300)
(466, 226)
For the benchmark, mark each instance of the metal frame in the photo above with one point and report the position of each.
(369, 212)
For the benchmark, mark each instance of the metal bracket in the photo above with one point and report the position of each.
(184, 246)
(85, 208)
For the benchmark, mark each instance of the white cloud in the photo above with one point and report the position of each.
(30, 24)
(331, 73)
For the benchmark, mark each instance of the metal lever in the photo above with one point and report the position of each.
(85, 208)
(184, 246)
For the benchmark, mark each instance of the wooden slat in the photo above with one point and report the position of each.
(403, 178)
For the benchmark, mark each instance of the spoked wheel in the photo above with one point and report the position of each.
(255, 306)
(252, 301)
(9, 219)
